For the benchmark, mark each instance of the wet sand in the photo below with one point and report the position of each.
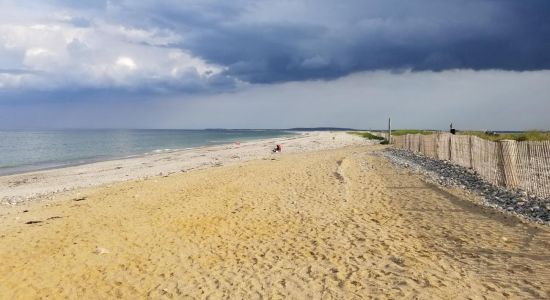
(339, 223)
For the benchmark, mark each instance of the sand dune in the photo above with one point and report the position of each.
(339, 223)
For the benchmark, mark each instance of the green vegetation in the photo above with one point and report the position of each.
(523, 136)
(370, 136)
(366, 135)
(411, 131)
(533, 135)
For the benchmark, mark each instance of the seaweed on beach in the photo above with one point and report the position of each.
(33, 222)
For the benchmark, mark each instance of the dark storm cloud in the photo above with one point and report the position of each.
(131, 44)
(269, 41)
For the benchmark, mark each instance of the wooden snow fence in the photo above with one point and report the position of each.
(517, 165)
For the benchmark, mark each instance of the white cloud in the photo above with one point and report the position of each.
(58, 54)
(10, 80)
(183, 63)
(153, 36)
(32, 52)
(126, 63)
(39, 58)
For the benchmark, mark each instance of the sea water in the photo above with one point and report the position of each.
(23, 151)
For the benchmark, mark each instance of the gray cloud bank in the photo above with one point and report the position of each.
(495, 100)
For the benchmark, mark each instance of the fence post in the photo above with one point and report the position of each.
(509, 155)
(471, 152)
(436, 146)
(389, 131)
(500, 164)
(450, 148)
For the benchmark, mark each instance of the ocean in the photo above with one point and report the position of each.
(24, 151)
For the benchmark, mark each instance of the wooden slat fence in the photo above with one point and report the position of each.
(518, 165)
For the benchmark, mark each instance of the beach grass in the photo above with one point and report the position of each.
(411, 131)
(533, 135)
(367, 135)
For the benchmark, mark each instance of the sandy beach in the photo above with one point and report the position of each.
(41, 185)
(328, 218)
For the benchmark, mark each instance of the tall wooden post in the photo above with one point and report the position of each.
(389, 130)
(450, 147)
(470, 145)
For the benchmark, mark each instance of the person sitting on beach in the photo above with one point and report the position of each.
(277, 149)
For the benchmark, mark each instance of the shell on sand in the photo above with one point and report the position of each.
(100, 250)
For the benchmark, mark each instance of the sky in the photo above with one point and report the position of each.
(481, 64)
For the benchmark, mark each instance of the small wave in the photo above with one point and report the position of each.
(162, 150)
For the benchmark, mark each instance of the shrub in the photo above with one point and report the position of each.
(367, 135)
(411, 131)
(519, 136)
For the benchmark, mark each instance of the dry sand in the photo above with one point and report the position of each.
(339, 223)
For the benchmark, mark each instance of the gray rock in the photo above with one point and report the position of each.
(516, 202)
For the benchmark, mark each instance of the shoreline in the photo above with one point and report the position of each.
(45, 166)
(42, 184)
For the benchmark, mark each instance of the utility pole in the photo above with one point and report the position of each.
(389, 130)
